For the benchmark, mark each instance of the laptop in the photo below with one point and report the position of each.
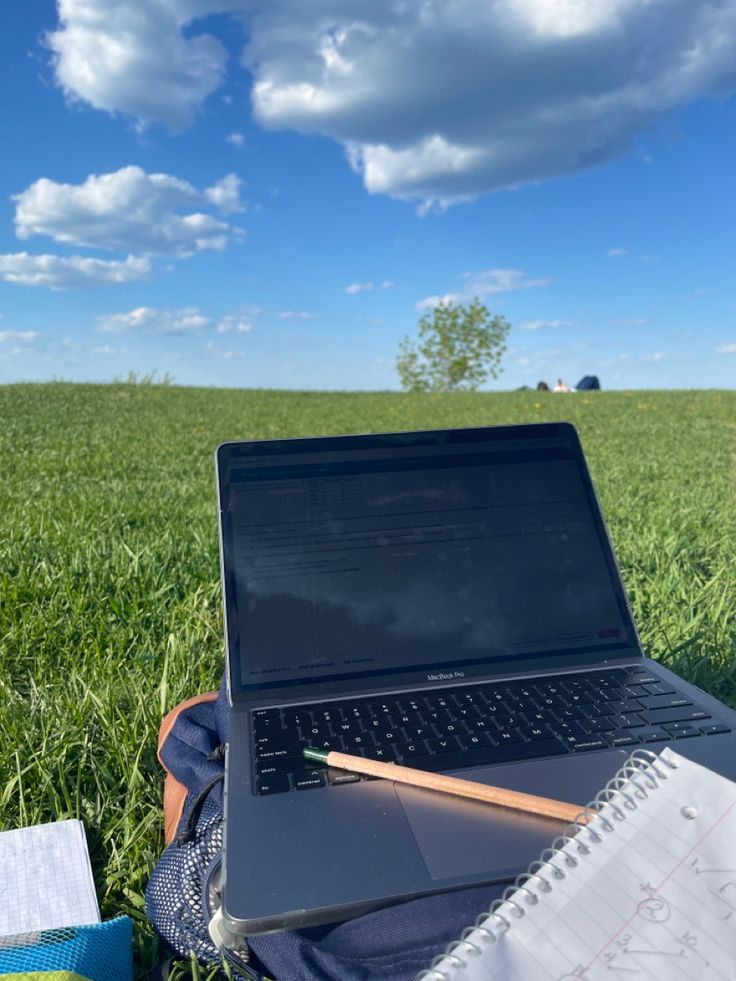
(447, 600)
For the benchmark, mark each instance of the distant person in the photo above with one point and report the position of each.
(561, 386)
(542, 387)
(588, 383)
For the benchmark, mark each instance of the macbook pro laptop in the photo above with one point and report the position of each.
(445, 600)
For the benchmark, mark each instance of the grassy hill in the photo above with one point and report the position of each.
(109, 581)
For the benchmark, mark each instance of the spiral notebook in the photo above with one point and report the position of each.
(45, 879)
(645, 889)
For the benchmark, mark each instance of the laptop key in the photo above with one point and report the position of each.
(275, 784)
(409, 750)
(713, 729)
(337, 777)
(656, 687)
(652, 735)
(279, 752)
(353, 711)
(632, 721)
(286, 764)
(601, 708)
(416, 732)
(476, 739)
(294, 719)
(581, 697)
(262, 714)
(665, 701)
(447, 745)
(659, 717)
(274, 738)
(312, 778)
(488, 755)
(625, 706)
(580, 744)
(621, 738)
(452, 729)
(468, 712)
(381, 722)
(686, 732)
(315, 732)
(268, 723)
(540, 718)
(635, 691)
(343, 728)
(387, 736)
(536, 732)
(601, 724)
(386, 754)
(671, 727)
(571, 713)
(408, 719)
(568, 728)
(361, 739)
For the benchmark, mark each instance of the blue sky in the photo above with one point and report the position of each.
(245, 193)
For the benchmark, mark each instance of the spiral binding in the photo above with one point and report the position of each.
(642, 773)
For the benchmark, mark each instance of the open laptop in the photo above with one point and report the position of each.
(447, 600)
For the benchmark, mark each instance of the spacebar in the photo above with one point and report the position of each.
(485, 755)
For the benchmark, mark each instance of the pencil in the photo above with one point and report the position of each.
(543, 806)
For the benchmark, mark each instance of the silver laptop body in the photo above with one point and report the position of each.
(376, 585)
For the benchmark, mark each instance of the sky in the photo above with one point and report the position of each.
(271, 193)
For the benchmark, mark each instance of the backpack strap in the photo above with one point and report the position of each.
(175, 792)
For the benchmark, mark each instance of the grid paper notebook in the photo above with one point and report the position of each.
(647, 889)
(46, 879)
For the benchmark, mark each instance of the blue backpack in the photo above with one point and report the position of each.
(391, 944)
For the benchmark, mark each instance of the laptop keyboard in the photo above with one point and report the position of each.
(475, 725)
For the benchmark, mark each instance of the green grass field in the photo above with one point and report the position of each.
(109, 580)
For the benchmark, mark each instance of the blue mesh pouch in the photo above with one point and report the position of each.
(388, 945)
(100, 952)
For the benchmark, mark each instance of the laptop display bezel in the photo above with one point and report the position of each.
(229, 452)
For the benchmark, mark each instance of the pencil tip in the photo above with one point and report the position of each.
(317, 755)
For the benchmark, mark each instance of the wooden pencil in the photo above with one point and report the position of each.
(543, 806)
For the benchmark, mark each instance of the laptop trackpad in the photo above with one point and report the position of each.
(459, 837)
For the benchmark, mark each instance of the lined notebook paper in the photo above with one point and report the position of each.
(46, 878)
(646, 890)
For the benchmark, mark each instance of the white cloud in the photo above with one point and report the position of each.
(657, 356)
(430, 302)
(629, 322)
(235, 139)
(500, 281)
(221, 352)
(132, 57)
(129, 211)
(543, 324)
(107, 349)
(529, 88)
(225, 194)
(24, 336)
(59, 273)
(235, 324)
(296, 315)
(354, 288)
(614, 253)
(483, 284)
(147, 320)
(726, 348)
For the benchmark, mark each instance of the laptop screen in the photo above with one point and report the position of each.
(348, 558)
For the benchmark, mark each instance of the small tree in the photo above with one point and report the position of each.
(458, 348)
